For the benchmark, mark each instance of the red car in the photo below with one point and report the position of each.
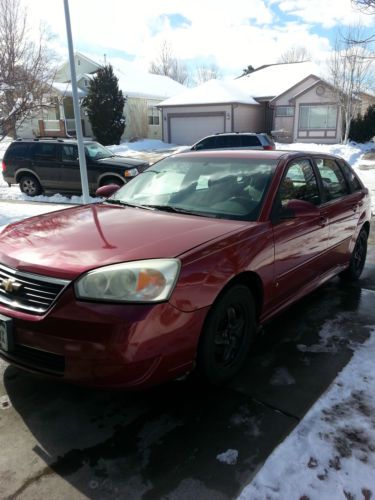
(179, 267)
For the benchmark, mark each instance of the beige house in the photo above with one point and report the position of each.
(142, 90)
(288, 100)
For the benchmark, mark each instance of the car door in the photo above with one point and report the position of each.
(70, 178)
(44, 162)
(342, 207)
(300, 242)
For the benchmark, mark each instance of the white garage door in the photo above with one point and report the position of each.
(189, 129)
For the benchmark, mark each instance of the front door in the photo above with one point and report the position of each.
(300, 243)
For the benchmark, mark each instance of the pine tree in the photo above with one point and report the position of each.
(105, 107)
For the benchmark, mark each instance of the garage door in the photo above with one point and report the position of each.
(189, 129)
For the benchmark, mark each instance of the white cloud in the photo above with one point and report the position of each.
(232, 34)
(328, 13)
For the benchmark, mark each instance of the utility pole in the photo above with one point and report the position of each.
(77, 111)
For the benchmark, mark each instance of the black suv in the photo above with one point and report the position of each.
(230, 140)
(39, 165)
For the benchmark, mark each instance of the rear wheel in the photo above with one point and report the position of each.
(30, 185)
(358, 258)
(227, 335)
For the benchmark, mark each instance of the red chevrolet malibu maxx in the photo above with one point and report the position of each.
(179, 267)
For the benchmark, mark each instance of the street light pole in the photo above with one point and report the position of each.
(77, 112)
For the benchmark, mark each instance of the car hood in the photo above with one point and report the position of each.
(121, 161)
(66, 243)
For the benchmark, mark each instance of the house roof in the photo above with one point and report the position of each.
(264, 83)
(275, 79)
(212, 92)
(139, 83)
(65, 89)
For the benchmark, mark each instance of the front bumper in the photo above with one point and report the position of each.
(106, 345)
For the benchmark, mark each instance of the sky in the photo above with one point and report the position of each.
(230, 34)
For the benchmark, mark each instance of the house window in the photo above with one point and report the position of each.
(285, 111)
(318, 117)
(86, 83)
(153, 116)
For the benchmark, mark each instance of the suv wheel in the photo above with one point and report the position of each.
(30, 185)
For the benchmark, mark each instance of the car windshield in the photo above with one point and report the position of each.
(96, 151)
(228, 188)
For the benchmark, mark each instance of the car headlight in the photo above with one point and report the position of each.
(140, 281)
(131, 172)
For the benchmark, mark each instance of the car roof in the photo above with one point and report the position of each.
(52, 140)
(257, 154)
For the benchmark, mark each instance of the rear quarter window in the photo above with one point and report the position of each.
(16, 151)
(250, 141)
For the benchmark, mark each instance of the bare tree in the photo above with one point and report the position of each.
(295, 54)
(25, 68)
(204, 72)
(367, 6)
(168, 65)
(350, 74)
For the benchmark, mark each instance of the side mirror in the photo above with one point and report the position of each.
(295, 209)
(107, 190)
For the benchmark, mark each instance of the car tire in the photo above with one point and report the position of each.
(30, 185)
(357, 259)
(227, 335)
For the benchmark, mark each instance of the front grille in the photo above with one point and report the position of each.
(37, 359)
(35, 295)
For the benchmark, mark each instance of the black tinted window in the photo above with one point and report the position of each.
(16, 150)
(43, 151)
(209, 143)
(229, 141)
(250, 141)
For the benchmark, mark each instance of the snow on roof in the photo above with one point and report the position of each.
(275, 79)
(66, 89)
(212, 92)
(270, 81)
(135, 82)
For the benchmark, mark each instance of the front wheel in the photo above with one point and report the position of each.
(227, 335)
(357, 259)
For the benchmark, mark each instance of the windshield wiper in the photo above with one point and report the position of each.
(176, 210)
(114, 201)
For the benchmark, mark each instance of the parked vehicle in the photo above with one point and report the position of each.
(178, 267)
(39, 165)
(243, 140)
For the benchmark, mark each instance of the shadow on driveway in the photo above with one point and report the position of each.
(60, 441)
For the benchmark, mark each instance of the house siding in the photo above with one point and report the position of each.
(247, 118)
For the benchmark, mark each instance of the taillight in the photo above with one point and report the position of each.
(269, 147)
(3, 166)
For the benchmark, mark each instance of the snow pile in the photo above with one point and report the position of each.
(331, 453)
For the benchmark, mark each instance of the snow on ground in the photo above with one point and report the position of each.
(331, 453)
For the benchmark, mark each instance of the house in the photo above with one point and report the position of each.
(288, 99)
(144, 91)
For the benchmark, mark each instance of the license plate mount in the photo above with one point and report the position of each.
(6, 334)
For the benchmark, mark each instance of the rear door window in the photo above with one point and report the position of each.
(334, 183)
(45, 152)
(351, 177)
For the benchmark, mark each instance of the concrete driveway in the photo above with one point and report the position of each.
(63, 442)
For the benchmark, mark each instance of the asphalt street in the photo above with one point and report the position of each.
(65, 442)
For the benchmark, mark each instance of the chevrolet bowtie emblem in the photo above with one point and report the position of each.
(10, 285)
